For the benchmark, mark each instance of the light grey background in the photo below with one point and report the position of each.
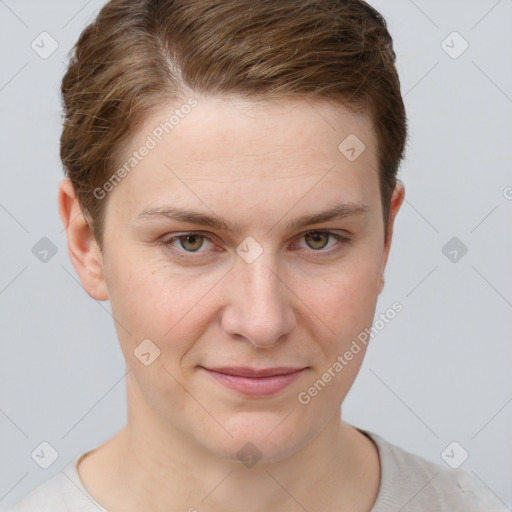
(439, 372)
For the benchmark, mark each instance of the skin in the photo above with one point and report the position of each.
(300, 303)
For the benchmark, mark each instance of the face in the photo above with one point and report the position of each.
(262, 285)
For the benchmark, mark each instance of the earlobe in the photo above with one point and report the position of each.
(83, 250)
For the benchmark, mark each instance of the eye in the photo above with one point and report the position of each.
(318, 240)
(188, 242)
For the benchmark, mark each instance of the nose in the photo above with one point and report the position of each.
(260, 303)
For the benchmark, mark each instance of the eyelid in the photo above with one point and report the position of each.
(336, 236)
(342, 239)
(167, 241)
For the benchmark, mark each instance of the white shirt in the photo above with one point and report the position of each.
(408, 483)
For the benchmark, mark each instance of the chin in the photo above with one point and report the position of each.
(261, 438)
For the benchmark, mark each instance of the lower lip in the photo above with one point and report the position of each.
(255, 386)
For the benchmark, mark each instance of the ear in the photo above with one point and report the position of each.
(83, 250)
(397, 199)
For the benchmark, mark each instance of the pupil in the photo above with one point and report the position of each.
(193, 237)
(316, 236)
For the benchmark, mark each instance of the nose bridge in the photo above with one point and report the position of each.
(262, 283)
(260, 308)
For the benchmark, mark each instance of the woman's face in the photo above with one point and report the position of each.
(254, 287)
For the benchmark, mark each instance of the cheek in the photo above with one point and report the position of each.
(154, 313)
(159, 302)
(344, 300)
(343, 307)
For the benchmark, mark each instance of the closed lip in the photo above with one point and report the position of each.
(243, 371)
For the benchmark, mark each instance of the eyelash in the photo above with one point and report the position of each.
(182, 253)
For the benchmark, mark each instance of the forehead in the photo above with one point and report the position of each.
(242, 150)
(255, 126)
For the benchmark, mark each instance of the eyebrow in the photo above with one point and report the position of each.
(337, 212)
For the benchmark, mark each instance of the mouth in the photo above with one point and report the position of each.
(255, 382)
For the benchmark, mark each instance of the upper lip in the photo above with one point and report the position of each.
(245, 371)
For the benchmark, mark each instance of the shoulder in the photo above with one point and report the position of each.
(413, 484)
(45, 497)
(63, 492)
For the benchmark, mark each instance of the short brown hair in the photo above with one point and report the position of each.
(137, 54)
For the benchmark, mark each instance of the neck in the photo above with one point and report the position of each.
(150, 466)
